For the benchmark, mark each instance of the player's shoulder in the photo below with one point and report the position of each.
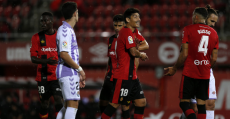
(125, 29)
(35, 36)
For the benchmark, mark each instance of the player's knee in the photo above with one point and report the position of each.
(58, 99)
(210, 105)
(45, 104)
(125, 107)
(140, 102)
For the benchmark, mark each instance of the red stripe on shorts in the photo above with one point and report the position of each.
(116, 93)
(181, 87)
(188, 112)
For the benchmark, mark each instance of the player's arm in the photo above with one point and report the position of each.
(214, 57)
(143, 45)
(134, 52)
(180, 61)
(182, 57)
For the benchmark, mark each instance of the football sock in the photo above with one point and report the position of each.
(201, 112)
(209, 114)
(102, 108)
(108, 112)
(58, 107)
(125, 114)
(189, 113)
(70, 113)
(61, 113)
(183, 116)
(43, 113)
(139, 112)
(45, 116)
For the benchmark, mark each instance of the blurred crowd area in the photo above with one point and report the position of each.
(12, 106)
(160, 19)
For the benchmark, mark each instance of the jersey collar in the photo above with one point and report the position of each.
(66, 24)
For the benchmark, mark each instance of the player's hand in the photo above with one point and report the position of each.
(82, 75)
(171, 71)
(52, 61)
(82, 82)
(143, 56)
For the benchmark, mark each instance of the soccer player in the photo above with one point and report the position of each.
(69, 72)
(199, 53)
(210, 103)
(126, 86)
(44, 53)
(118, 23)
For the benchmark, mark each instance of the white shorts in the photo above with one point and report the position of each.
(70, 87)
(212, 88)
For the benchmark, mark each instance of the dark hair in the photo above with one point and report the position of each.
(48, 14)
(211, 10)
(118, 18)
(201, 11)
(68, 9)
(129, 12)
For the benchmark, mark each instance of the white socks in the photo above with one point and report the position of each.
(61, 113)
(183, 116)
(209, 114)
(70, 113)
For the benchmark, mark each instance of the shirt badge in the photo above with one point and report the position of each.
(130, 39)
(64, 44)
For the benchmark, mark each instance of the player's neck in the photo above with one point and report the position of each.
(202, 21)
(71, 22)
(50, 31)
(133, 29)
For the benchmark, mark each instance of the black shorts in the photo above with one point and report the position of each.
(106, 89)
(125, 91)
(46, 89)
(191, 88)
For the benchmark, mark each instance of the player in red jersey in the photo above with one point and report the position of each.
(199, 53)
(126, 86)
(44, 53)
(210, 103)
(118, 23)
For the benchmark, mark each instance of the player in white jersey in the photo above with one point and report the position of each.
(210, 103)
(70, 75)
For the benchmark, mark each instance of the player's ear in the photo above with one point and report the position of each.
(127, 19)
(74, 14)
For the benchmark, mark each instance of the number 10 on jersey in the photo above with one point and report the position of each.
(203, 45)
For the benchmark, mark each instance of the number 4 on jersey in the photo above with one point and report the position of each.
(203, 45)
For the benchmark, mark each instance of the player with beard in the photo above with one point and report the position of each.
(210, 103)
(199, 54)
(44, 53)
(118, 24)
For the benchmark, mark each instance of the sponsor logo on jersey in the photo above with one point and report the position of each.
(58, 89)
(78, 93)
(48, 49)
(141, 92)
(202, 62)
(130, 39)
(203, 31)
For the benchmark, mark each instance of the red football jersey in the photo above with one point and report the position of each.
(138, 35)
(201, 40)
(126, 67)
(112, 64)
(49, 50)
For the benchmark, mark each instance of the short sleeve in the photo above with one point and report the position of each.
(129, 40)
(64, 40)
(185, 35)
(139, 36)
(34, 46)
(217, 44)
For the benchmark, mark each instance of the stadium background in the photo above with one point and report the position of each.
(161, 24)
